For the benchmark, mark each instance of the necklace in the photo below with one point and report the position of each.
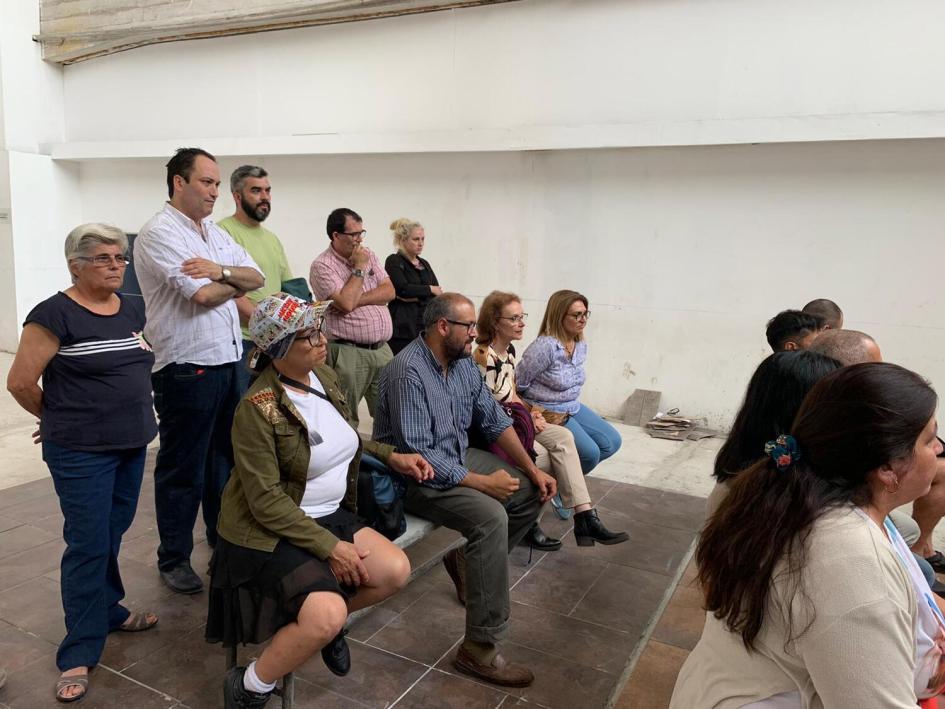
(569, 348)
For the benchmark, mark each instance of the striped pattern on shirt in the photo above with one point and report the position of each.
(421, 411)
(90, 348)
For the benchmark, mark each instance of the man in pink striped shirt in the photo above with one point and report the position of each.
(358, 322)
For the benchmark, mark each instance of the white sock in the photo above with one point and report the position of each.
(252, 682)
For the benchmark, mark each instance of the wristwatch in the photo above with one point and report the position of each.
(359, 272)
(225, 278)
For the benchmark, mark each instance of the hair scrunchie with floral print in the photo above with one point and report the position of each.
(784, 451)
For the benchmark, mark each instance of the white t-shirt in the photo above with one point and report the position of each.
(333, 445)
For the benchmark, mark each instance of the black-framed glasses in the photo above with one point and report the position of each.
(583, 315)
(470, 326)
(103, 260)
(314, 334)
(515, 318)
(354, 234)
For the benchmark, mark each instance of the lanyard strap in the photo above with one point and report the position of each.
(304, 387)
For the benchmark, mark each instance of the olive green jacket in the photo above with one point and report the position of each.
(260, 502)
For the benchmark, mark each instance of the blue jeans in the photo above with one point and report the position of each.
(195, 405)
(595, 439)
(98, 495)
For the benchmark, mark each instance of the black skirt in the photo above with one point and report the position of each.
(255, 593)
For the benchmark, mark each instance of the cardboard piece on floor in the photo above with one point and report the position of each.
(697, 434)
(641, 406)
(675, 435)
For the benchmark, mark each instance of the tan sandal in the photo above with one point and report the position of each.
(138, 621)
(80, 680)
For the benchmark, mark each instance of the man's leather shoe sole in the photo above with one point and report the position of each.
(505, 674)
(182, 580)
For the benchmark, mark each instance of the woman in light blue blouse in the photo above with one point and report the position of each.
(551, 374)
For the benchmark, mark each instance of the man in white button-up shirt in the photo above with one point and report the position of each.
(190, 271)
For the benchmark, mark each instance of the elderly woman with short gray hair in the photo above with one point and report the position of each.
(96, 418)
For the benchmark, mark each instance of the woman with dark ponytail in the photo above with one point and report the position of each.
(813, 599)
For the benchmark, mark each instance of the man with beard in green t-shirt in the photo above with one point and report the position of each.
(253, 196)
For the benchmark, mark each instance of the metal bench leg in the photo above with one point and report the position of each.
(231, 657)
(288, 691)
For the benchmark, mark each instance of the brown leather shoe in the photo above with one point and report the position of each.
(455, 563)
(502, 672)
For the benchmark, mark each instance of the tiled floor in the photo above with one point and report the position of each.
(578, 617)
(677, 632)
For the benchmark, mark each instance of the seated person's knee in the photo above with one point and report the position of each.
(398, 570)
(323, 615)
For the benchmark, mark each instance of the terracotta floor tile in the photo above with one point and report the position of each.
(17, 568)
(8, 523)
(175, 619)
(682, 622)
(376, 677)
(18, 494)
(559, 683)
(33, 687)
(192, 673)
(19, 648)
(439, 690)
(33, 606)
(366, 625)
(21, 538)
(588, 644)
(651, 547)
(35, 508)
(651, 684)
(311, 696)
(660, 507)
(578, 658)
(599, 487)
(559, 581)
(691, 572)
(623, 598)
(426, 630)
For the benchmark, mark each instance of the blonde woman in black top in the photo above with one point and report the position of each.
(414, 282)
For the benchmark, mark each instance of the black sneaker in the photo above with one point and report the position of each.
(337, 656)
(182, 579)
(236, 696)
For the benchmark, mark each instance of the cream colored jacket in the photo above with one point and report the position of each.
(859, 650)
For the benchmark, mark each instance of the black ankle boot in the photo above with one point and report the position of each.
(589, 529)
(537, 539)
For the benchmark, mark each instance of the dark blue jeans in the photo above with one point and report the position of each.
(195, 405)
(98, 495)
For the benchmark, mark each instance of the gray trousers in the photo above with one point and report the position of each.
(358, 371)
(492, 529)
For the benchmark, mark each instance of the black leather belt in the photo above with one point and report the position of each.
(363, 346)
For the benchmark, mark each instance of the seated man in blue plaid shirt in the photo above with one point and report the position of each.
(428, 397)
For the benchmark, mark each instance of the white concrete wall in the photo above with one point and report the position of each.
(762, 68)
(683, 252)
(37, 195)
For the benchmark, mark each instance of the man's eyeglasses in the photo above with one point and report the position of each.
(106, 260)
(470, 326)
(583, 315)
(515, 318)
(354, 234)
